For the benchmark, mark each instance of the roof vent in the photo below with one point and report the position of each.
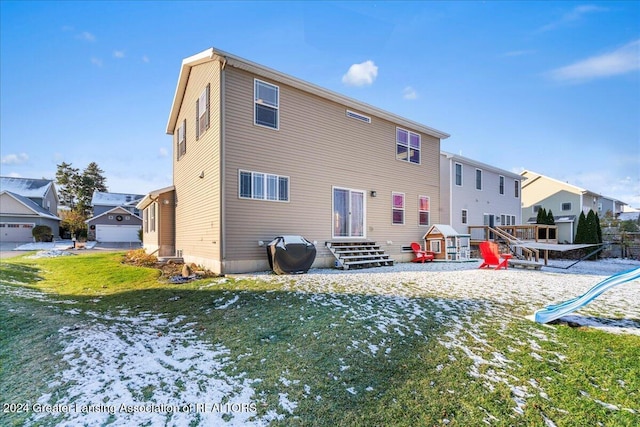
(358, 116)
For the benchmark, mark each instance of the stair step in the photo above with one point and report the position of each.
(359, 254)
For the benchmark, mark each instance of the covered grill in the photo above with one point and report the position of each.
(290, 254)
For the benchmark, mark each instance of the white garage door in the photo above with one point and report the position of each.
(117, 233)
(16, 232)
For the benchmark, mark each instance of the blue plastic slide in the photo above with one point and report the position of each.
(553, 312)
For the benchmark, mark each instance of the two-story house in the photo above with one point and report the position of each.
(260, 154)
(25, 203)
(116, 219)
(566, 202)
(474, 193)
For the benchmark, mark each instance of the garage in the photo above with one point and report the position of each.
(16, 232)
(117, 233)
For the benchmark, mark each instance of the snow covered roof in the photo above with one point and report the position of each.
(101, 198)
(445, 230)
(26, 187)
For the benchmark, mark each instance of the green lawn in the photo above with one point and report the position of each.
(330, 357)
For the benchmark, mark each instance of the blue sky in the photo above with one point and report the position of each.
(552, 87)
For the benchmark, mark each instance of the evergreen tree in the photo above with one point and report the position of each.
(550, 220)
(541, 218)
(67, 181)
(76, 190)
(598, 229)
(580, 229)
(592, 228)
(91, 180)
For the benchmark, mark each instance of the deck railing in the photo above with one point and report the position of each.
(532, 232)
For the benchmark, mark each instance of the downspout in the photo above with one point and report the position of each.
(450, 191)
(223, 204)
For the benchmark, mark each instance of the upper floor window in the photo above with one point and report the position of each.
(501, 185)
(397, 208)
(181, 143)
(458, 174)
(478, 179)
(536, 208)
(516, 189)
(566, 206)
(423, 210)
(264, 186)
(407, 146)
(266, 100)
(464, 218)
(202, 112)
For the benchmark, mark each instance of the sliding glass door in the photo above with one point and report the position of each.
(348, 213)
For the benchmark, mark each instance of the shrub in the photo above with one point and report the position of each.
(42, 233)
(140, 258)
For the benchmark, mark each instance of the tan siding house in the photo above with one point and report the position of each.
(259, 154)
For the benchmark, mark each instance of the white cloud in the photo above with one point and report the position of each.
(361, 74)
(620, 61)
(409, 93)
(96, 61)
(118, 53)
(519, 52)
(164, 152)
(14, 159)
(86, 36)
(574, 15)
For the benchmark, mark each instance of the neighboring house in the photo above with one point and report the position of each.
(25, 203)
(565, 200)
(102, 202)
(609, 205)
(260, 154)
(115, 218)
(474, 193)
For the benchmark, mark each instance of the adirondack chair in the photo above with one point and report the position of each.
(421, 255)
(491, 257)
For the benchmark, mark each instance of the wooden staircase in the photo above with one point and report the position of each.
(501, 236)
(358, 254)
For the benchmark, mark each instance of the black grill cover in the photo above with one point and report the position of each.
(290, 254)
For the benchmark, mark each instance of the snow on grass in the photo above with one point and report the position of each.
(121, 359)
(147, 370)
(469, 301)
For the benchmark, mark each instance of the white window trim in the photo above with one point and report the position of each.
(277, 107)
(265, 186)
(428, 211)
(461, 174)
(395, 147)
(481, 180)
(403, 209)
(364, 212)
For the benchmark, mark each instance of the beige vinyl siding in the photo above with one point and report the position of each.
(11, 206)
(317, 146)
(198, 199)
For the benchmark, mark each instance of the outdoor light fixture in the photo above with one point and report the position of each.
(373, 193)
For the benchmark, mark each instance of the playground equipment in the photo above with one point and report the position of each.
(553, 312)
